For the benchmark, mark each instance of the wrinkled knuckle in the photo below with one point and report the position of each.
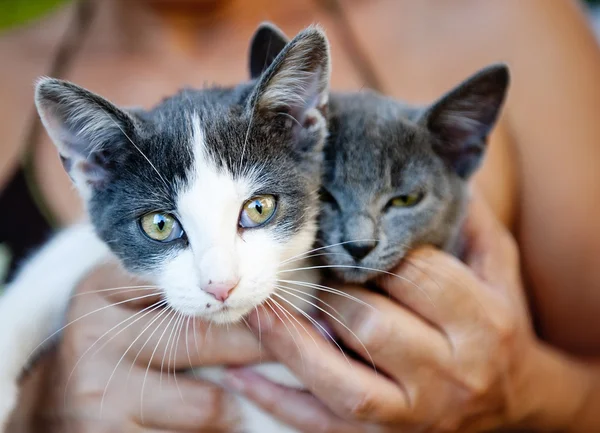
(506, 330)
(361, 407)
(478, 386)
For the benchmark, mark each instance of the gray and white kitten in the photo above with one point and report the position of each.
(209, 195)
(396, 176)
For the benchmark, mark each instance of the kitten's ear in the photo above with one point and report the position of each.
(297, 82)
(462, 119)
(87, 130)
(268, 41)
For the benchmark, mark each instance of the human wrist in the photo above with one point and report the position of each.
(31, 412)
(556, 391)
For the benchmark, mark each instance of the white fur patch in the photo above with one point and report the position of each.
(209, 208)
(33, 306)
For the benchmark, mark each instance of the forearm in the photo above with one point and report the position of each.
(562, 393)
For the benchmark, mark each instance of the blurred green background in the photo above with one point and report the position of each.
(16, 12)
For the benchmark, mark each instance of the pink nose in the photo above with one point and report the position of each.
(220, 290)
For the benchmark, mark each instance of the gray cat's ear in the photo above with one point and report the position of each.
(266, 43)
(297, 82)
(87, 130)
(462, 119)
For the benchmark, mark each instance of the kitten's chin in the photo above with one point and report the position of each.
(354, 276)
(227, 315)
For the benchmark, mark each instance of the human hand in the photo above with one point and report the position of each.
(453, 346)
(115, 364)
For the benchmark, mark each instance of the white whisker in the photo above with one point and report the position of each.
(158, 316)
(141, 315)
(171, 312)
(363, 268)
(87, 315)
(115, 369)
(337, 320)
(328, 290)
(136, 147)
(325, 247)
(125, 288)
(317, 324)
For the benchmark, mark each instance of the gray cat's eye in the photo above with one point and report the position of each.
(406, 200)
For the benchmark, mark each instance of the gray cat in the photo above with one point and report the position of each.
(396, 176)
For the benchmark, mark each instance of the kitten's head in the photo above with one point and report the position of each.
(396, 177)
(211, 191)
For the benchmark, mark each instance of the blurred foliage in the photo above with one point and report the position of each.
(17, 12)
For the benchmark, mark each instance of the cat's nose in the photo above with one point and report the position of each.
(220, 290)
(359, 250)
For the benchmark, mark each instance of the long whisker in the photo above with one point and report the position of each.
(246, 140)
(310, 256)
(317, 324)
(115, 369)
(325, 247)
(87, 315)
(195, 336)
(299, 323)
(136, 147)
(311, 296)
(171, 312)
(167, 348)
(259, 333)
(141, 315)
(286, 327)
(364, 268)
(187, 346)
(158, 316)
(126, 288)
(286, 314)
(328, 290)
(177, 339)
(337, 320)
(174, 335)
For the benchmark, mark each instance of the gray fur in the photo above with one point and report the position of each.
(129, 163)
(378, 149)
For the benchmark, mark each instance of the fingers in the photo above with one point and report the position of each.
(386, 333)
(182, 405)
(350, 389)
(295, 408)
(439, 288)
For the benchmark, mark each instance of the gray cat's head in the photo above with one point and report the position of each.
(208, 193)
(396, 176)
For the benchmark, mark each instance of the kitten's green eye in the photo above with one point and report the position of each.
(406, 200)
(257, 211)
(162, 227)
